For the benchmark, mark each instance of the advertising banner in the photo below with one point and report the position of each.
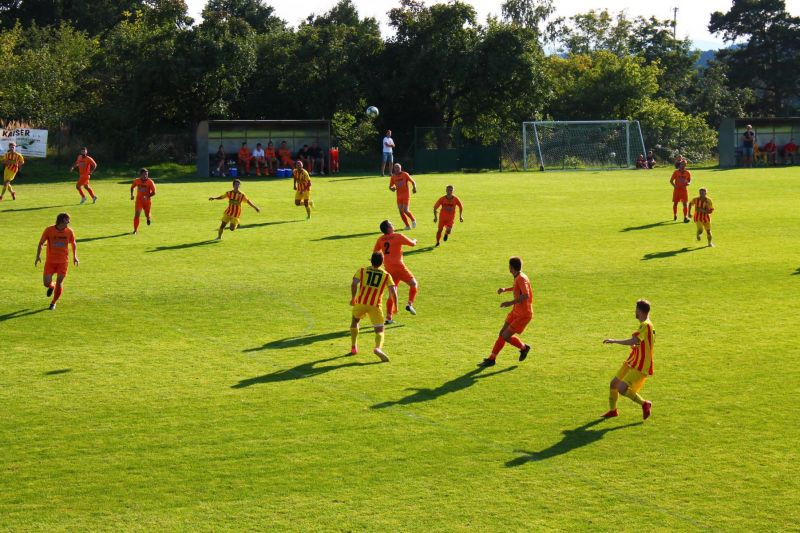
(30, 143)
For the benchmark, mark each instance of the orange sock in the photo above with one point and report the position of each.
(684, 212)
(81, 192)
(412, 294)
(675, 209)
(135, 223)
(411, 216)
(498, 346)
(389, 307)
(516, 342)
(405, 220)
(57, 293)
(90, 191)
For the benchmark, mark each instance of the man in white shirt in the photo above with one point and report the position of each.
(388, 153)
(260, 160)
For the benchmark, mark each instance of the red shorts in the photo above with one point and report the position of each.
(400, 273)
(142, 203)
(83, 181)
(403, 200)
(517, 323)
(446, 222)
(680, 195)
(55, 268)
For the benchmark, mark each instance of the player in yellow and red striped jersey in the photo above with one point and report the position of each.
(703, 207)
(234, 210)
(302, 186)
(369, 284)
(637, 367)
(448, 203)
(12, 162)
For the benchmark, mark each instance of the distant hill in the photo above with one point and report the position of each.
(705, 57)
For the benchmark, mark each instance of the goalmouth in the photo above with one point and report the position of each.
(581, 144)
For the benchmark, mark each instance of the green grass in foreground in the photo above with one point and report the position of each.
(184, 384)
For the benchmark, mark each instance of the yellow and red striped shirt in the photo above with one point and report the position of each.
(301, 179)
(12, 161)
(706, 205)
(641, 356)
(372, 284)
(235, 201)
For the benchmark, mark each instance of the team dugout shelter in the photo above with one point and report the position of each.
(232, 133)
(731, 131)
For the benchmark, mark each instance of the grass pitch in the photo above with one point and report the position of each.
(186, 384)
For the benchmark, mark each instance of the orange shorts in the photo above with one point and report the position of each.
(141, 203)
(55, 268)
(446, 222)
(403, 200)
(83, 180)
(680, 195)
(400, 273)
(517, 323)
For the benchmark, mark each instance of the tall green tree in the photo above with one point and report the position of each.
(767, 62)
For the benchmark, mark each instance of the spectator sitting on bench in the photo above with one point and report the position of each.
(770, 151)
(304, 155)
(243, 159)
(641, 162)
(285, 155)
(219, 161)
(259, 161)
(317, 158)
(651, 159)
(272, 158)
(789, 151)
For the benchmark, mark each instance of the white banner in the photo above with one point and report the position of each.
(30, 143)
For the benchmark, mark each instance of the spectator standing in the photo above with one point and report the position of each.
(748, 141)
(317, 158)
(387, 159)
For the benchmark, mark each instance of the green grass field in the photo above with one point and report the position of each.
(186, 384)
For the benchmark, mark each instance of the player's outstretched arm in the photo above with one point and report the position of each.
(501, 290)
(633, 341)
(39, 253)
(353, 290)
(254, 206)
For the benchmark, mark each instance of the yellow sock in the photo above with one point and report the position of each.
(379, 340)
(353, 336)
(633, 396)
(613, 396)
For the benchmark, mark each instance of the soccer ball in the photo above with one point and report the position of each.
(613, 155)
(372, 111)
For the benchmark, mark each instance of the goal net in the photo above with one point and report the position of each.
(581, 145)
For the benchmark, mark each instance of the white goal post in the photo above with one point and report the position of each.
(581, 144)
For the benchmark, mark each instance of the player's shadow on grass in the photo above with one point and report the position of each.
(454, 385)
(796, 272)
(351, 236)
(262, 224)
(20, 209)
(420, 250)
(21, 313)
(57, 372)
(647, 226)
(573, 438)
(183, 246)
(306, 370)
(358, 178)
(670, 253)
(90, 239)
(305, 340)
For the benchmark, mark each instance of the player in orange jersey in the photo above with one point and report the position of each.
(85, 165)
(235, 200)
(302, 186)
(271, 157)
(634, 371)
(703, 207)
(390, 244)
(399, 183)
(145, 190)
(448, 203)
(519, 317)
(58, 239)
(285, 155)
(243, 160)
(12, 162)
(368, 300)
(680, 180)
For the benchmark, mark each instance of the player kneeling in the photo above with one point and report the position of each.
(369, 284)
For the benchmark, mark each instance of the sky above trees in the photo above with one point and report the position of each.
(693, 15)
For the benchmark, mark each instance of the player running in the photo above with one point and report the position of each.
(703, 207)
(448, 203)
(390, 244)
(235, 200)
(85, 166)
(519, 317)
(145, 190)
(302, 184)
(399, 183)
(634, 371)
(12, 162)
(58, 239)
(368, 300)
(680, 180)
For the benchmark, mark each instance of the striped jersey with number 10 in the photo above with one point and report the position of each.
(372, 283)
